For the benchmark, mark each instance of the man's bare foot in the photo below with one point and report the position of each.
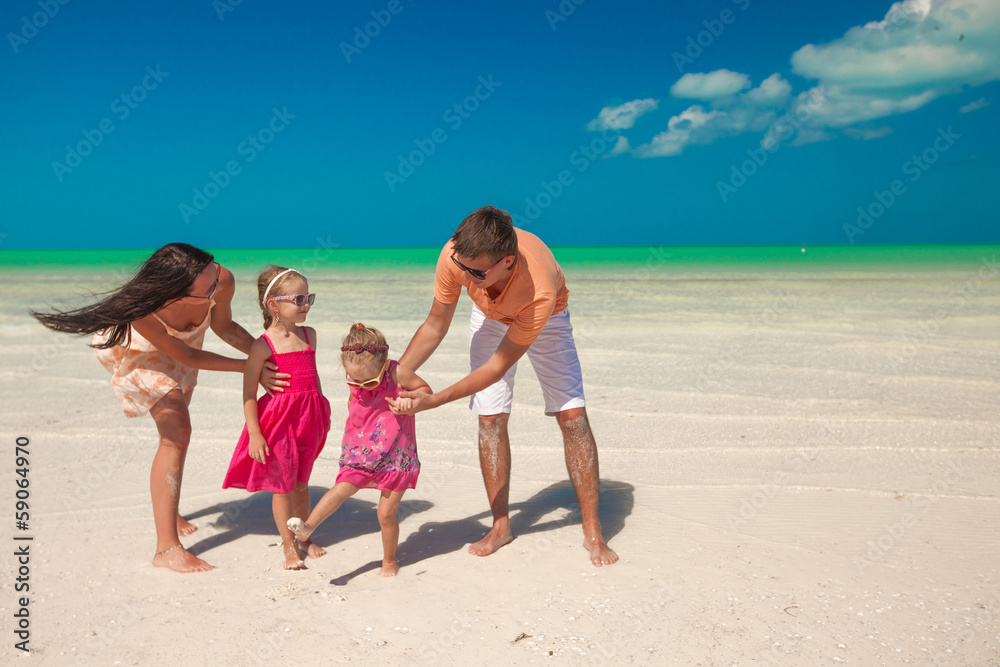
(389, 568)
(494, 539)
(178, 559)
(299, 527)
(292, 560)
(600, 552)
(185, 527)
(312, 550)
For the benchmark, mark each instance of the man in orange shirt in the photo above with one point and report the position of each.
(520, 297)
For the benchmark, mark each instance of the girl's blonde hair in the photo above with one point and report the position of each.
(363, 346)
(279, 288)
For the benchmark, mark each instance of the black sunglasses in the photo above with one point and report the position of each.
(476, 273)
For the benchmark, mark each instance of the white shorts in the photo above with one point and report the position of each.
(552, 355)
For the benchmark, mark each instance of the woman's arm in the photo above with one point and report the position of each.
(151, 329)
(222, 314)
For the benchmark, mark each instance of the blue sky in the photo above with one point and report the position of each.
(727, 122)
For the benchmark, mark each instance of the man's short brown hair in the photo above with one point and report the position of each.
(487, 231)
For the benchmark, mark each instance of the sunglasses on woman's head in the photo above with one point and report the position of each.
(299, 299)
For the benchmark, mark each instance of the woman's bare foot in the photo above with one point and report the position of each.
(496, 538)
(600, 552)
(185, 527)
(312, 550)
(299, 527)
(389, 568)
(178, 559)
(292, 560)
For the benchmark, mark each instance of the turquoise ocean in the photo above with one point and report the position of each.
(391, 284)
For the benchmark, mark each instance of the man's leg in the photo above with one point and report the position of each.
(584, 473)
(494, 459)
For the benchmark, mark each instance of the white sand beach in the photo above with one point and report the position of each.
(798, 469)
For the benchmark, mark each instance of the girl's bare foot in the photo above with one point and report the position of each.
(496, 538)
(389, 568)
(185, 527)
(299, 527)
(312, 550)
(292, 560)
(178, 559)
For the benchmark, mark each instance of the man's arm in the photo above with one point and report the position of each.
(429, 335)
(222, 314)
(505, 356)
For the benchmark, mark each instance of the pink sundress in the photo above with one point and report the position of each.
(294, 423)
(379, 449)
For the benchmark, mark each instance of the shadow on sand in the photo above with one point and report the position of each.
(356, 517)
(252, 515)
(445, 537)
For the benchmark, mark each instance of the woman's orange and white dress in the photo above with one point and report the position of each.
(141, 375)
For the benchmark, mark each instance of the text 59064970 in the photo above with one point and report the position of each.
(22, 546)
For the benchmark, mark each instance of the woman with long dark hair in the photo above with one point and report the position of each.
(148, 333)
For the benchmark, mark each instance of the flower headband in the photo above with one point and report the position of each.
(358, 348)
(271, 284)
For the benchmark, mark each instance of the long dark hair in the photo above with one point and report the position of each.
(167, 275)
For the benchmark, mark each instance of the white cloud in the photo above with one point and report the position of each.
(709, 86)
(681, 130)
(863, 134)
(901, 13)
(981, 103)
(772, 92)
(621, 146)
(921, 50)
(729, 116)
(621, 117)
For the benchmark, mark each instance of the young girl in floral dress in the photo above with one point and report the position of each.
(379, 450)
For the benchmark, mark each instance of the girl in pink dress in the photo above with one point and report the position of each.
(380, 447)
(285, 432)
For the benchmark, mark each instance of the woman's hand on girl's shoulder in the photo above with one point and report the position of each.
(268, 377)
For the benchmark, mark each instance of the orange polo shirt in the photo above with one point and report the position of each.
(535, 292)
